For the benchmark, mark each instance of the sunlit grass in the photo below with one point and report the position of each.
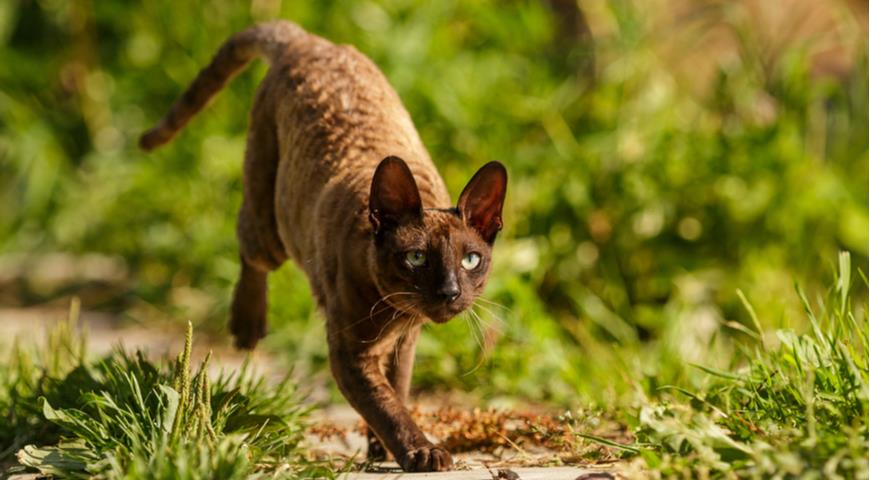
(123, 416)
(796, 407)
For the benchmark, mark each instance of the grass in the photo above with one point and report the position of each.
(123, 416)
(797, 408)
(795, 405)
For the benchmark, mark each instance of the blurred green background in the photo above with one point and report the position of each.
(661, 156)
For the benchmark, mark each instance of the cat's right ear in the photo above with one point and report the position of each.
(394, 195)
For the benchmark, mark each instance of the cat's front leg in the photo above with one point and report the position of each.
(399, 368)
(367, 389)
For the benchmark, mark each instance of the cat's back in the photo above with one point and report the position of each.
(333, 99)
(336, 117)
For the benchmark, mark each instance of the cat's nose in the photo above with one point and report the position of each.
(449, 295)
(449, 290)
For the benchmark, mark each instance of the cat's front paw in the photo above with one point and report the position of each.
(426, 459)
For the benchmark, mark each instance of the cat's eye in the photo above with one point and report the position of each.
(415, 258)
(470, 261)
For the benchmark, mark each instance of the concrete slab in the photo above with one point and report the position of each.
(534, 473)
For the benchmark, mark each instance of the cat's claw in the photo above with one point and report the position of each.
(426, 459)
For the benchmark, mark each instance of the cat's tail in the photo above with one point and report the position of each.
(269, 40)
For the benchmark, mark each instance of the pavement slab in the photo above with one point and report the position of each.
(520, 473)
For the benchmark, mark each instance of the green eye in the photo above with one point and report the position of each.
(415, 258)
(470, 261)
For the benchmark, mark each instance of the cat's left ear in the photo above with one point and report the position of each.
(481, 201)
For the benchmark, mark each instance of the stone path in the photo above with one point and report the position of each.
(534, 473)
(469, 465)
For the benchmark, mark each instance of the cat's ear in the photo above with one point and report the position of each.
(394, 194)
(481, 201)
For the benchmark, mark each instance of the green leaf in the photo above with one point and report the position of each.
(717, 372)
(652, 460)
(170, 407)
(608, 443)
(63, 460)
(248, 422)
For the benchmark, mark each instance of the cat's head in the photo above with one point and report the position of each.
(434, 262)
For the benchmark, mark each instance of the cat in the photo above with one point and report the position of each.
(336, 177)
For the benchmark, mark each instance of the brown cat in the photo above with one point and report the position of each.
(336, 177)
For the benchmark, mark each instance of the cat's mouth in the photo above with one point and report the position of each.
(443, 313)
(438, 312)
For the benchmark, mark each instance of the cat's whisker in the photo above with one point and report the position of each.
(495, 313)
(384, 300)
(494, 304)
(476, 331)
(404, 306)
(483, 321)
(480, 324)
(406, 330)
(384, 308)
(383, 328)
(487, 344)
(399, 309)
(479, 338)
(488, 300)
(492, 315)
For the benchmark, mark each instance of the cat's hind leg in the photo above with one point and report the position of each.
(260, 246)
(249, 307)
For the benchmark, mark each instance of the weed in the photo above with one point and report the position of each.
(123, 416)
(799, 408)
